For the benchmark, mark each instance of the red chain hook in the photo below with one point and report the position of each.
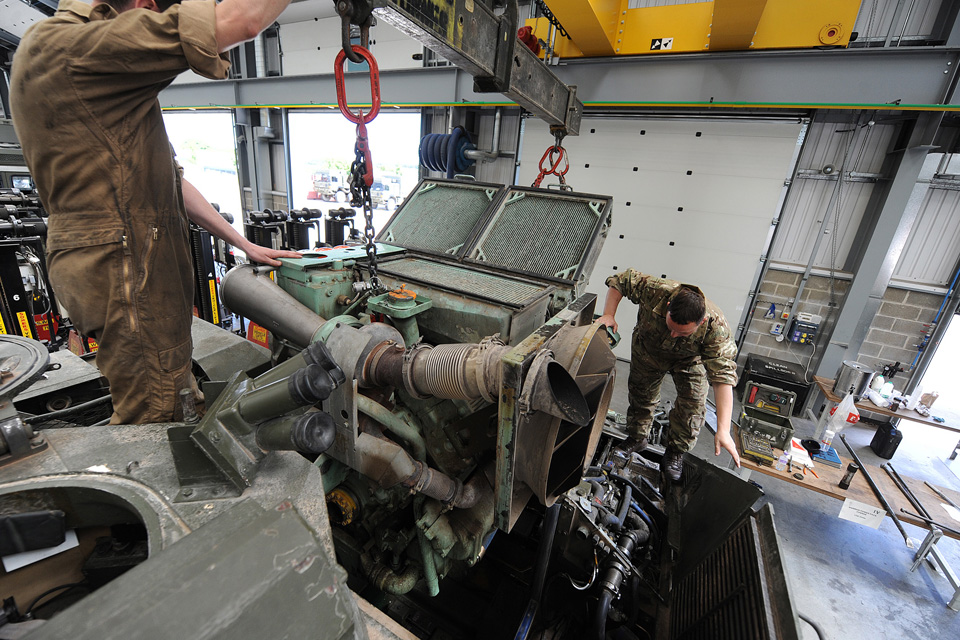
(556, 155)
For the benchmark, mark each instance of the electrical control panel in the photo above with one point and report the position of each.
(804, 327)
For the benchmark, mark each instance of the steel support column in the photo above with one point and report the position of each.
(886, 226)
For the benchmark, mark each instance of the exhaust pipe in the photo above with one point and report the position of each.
(258, 298)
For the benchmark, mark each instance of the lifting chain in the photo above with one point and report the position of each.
(545, 10)
(552, 159)
(361, 169)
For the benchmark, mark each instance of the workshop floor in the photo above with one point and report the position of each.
(855, 581)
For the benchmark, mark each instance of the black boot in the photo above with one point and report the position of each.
(672, 464)
(634, 445)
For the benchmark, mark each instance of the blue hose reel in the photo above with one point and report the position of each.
(446, 151)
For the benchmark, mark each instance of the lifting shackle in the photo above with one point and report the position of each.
(359, 117)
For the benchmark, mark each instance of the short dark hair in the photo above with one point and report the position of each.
(687, 305)
(122, 5)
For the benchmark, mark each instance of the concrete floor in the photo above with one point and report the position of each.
(855, 581)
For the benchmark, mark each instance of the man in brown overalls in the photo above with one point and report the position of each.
(682, 333)
(84, 89)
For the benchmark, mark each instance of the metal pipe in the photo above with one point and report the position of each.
(914, 500)
(386, 579)
(260, 299)
(931, 522)
(494, 153)
(883, 501)
(427, 557)
(388, 464)
(395, 425)
(941, 494)
(53, 415)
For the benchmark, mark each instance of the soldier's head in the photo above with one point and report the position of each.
(686, 312)
(125, 5)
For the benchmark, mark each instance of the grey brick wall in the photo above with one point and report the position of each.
(898, 327)
(893, 335)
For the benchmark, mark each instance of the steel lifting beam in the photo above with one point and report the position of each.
(472, 37)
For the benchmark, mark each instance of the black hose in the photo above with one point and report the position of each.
(637, 490)
(625, 501)
(650, 525)
(543, 553)
(598, 491)
(608, 518)
(816, 627)
(600, 619)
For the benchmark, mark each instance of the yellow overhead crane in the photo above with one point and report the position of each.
(610, 28)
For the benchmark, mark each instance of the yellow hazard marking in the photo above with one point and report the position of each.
(24, 325)
(3, 327)
(213, 301)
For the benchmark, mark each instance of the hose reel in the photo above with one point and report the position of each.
(447, 152)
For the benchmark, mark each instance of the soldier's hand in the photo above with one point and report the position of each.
(723, 440)
(609, 321)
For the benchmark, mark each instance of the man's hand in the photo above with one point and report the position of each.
(256, 253)
(723, 440)
(608, 320)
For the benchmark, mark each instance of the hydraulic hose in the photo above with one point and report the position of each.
(600, 618)
(625, 501)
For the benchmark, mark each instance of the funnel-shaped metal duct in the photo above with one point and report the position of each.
(553, 447)
(257, 297)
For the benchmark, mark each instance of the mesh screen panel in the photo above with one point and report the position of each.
(464, 279)
(438, 218)
(724, 596)
(539, 234)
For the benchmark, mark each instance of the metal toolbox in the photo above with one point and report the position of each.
(766, 413)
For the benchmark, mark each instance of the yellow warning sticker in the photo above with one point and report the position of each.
(3, 327)
(24, 325)
(213, 301)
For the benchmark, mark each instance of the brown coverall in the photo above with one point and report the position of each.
(84, 89)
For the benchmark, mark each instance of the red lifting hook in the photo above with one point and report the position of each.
(358, 118)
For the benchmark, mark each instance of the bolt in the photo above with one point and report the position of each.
(187, 493)
(214, 437)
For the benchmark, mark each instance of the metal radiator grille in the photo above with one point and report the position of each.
(724, 597)
(463, 279)
(438, 218)
(544, 235)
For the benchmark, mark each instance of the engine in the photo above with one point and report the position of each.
(468, 376)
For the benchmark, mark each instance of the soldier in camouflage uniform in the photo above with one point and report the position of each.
(682, 333)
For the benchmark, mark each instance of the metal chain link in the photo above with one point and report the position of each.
(360, 197)
(545, 10)
(552, 159)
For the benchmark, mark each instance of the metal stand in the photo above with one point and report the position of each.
(928, 551)
(956, 450)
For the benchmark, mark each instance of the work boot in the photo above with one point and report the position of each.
(634, 445)
(672, 464)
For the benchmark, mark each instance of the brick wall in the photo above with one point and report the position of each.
(898, 326)
(893, 334)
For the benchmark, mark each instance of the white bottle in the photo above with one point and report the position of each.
(886, 390)
(877, 383)
(914, 397)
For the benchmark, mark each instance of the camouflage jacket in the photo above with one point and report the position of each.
(712, 343)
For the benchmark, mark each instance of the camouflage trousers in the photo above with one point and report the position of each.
(687, 414)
